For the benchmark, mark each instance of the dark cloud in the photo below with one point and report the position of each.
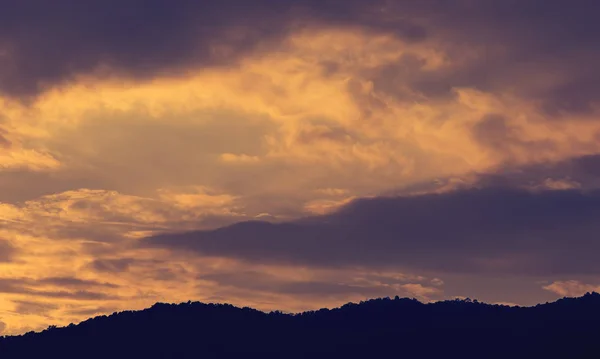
(494, 133)
(106, 234)
(119, 265)
(582, 172)
(486, 230)
(92, 311)
(325, 132)
(43, 43)
(4, 142)
(540, 50)
(548, 47)
(29, 287)
(79, 295)
(23, 185)
(75, 282)
(37, 308)
(112, 265)
(7, 251)
(579, 172)
(169, 274)
(265, 282)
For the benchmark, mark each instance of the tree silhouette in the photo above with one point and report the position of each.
(398, 328)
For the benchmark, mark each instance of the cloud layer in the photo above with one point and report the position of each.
(492, 230)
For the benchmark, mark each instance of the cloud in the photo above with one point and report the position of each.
(307, 288)
(112, 265)
(270, 283)
(277, 118)
(37, 308)
(90, 311)
(7, 251)
(490, 230)
(143, 39)
(496, 43)
(571, 288)
(420, 291)
(15, 156)
(581, 172)
(24, 286)
(17, 159)
(495, 134)
(75, 282)
(111, 217)
(156, 38)
(4, 142)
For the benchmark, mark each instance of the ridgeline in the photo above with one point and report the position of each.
(392, 328)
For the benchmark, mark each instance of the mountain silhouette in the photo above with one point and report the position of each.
(378, 328)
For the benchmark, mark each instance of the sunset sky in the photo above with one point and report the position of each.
(295, 154)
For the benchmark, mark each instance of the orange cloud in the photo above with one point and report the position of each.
(571, 288)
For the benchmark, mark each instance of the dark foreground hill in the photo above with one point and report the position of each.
(390, 328)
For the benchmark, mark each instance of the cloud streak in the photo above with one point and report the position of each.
(493, 230)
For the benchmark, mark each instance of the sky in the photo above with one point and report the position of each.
(295, 154)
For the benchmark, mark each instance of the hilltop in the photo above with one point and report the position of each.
(396, 328)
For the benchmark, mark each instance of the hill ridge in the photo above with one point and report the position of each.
(376, 327)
